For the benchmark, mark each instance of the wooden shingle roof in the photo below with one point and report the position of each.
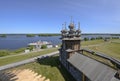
(93, 69)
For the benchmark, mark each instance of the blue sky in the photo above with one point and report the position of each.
(47, 16)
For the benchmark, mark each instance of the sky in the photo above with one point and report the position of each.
(47, 16)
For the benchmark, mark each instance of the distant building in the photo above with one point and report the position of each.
(38, 44)
(27, 50)
(49, 45)
(81, 67)
(55, 46)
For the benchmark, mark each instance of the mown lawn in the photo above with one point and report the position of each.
(8, 60)
(11, 52)
(50, 68)
(116, 40)
(111, 48)
(91, 42)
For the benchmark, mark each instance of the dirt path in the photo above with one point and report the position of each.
(22, 75)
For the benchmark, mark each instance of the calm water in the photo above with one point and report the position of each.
(18, 41)
(12, 42)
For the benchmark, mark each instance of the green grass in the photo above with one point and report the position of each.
(8, 60)
(91, 42)
(4, 53)
(18, 51)
(50, 68)
(11, 52)
(116, 41)
(111, 49)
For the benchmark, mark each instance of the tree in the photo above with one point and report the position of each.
(92, 38)
(86, 39)
(30, 47)
(43, 46)
(99, 37)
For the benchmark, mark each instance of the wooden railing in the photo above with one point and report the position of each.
(114, 61)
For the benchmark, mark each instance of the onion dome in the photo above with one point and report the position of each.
(71, 26)
(78, 31)
(64, 31)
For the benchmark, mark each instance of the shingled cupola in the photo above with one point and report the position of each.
(80, 66)
(71, 39)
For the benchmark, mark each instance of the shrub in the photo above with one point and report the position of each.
(30, 48)
(92, 38)
(43, 46)
(86, 39)
(115, 37)
(4, 53)
(19, 50)
(99, 37)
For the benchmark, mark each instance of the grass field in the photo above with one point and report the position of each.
(11, 52)
(4, 61)
(108, 48)
(8, 60)
(91, 42)
(50, 68)
(111, 48)
(116, 41)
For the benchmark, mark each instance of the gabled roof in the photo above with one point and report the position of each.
(93, 69)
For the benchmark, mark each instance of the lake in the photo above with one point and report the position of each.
(12, 42)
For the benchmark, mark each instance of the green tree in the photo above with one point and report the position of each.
(30, 47)
(99, 37)
(92, 38)
(2, 35)
(43, 46)
(30, 35)
(86, 39)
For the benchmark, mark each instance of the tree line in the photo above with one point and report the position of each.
(33, 35)
(3, 35)
(97, 38)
